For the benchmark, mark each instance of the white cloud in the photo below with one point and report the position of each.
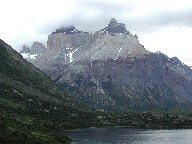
(172, 41)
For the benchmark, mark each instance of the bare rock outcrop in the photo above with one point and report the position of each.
(37, 48)
(31, 54)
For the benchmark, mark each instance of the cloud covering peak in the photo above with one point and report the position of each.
(161, 25)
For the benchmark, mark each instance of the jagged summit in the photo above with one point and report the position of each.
(25, 49)
(67, 30)
(69, 45)
(31, 53)
(37, 48)
(115, 27)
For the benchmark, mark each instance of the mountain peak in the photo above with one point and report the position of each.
(31, 53)
(25, 49)
(115, 27)
(37, 48)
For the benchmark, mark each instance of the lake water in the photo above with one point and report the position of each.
(129, 136)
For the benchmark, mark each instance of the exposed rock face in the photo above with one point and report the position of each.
(153, 81)
(64, 49)
(114, 47)
(64, 41)
(37, 48)
(111, 69)
(32, 53)
(25, 49)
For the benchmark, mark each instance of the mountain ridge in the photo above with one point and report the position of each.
(82, 63)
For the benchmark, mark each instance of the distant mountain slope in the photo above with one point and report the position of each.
(152, 82)
(111, 69)
(31, 106)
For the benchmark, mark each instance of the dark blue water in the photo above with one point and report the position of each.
(129, 136)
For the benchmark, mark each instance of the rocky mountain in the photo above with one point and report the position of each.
(111, 69)
(32, 53)
(115, 27)
(31, 106)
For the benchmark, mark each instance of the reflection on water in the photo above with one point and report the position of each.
(129, 136)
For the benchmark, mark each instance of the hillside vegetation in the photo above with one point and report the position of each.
(31, 106)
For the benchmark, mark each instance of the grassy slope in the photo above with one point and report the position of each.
(31, 107)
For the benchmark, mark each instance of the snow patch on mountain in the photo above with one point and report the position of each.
(29, 56)
(70, 54)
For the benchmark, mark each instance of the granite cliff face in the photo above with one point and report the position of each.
(32, 53)
(66, 48)
(111, 69)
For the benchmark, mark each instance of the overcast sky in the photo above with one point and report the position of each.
(161, 25)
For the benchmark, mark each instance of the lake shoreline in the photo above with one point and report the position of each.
(129, 127)
(126, 135)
